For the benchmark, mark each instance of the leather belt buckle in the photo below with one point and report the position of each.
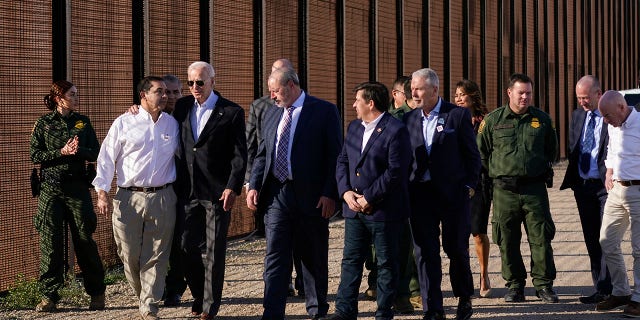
(628, 183)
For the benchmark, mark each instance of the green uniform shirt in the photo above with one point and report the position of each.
(398, 113)
(517, 145)
(50, 133)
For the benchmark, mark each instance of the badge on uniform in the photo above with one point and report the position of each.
(379, 130)
(440, 120)
(535, 123)
(439, 128)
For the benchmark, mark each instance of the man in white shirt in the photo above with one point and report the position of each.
(623, 202)
(139, 149)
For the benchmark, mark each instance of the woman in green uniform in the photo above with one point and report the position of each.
(62, 142)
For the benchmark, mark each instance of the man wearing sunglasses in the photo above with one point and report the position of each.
(210, 167)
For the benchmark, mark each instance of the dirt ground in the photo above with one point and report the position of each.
(244, 286)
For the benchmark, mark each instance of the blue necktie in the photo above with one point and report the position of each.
(587, 144)
(281, 168)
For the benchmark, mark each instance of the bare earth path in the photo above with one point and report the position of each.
(244, 286)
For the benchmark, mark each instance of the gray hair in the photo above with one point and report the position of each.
(169, 78)
(283, 75)
(201, 64)
(429, 75)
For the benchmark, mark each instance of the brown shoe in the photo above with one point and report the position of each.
(613, 302)
(97, 302)
(632, 310)
(46, 305)
(371, 294)
(416, 302)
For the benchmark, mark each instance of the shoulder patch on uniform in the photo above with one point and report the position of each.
(79, 125)
(481, 127)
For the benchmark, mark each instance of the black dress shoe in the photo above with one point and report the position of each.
(594, 298)
(434, 315)
(514, 295)
(464, 311)
(172, 300)
(196, 307)
(547, 295)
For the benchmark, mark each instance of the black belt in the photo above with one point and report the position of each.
(146, 189)
(590, 181)
(628, 183)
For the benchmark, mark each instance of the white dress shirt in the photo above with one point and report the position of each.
(200, 114)
(429, 127)
(368, 130)
(140, 152)
(294, 123)
(623, 154)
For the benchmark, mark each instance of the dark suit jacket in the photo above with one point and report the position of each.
(254, 129)
(572, 176)
(380, 172)
(316, 144)
(454, 161)
(218, 160)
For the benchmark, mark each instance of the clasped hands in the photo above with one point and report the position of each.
(71, 147)
(357, 202)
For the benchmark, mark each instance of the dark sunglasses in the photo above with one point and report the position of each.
(200, 83)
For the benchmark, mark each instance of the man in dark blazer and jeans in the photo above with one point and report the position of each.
(210, 170)
(294, 176)
(372, 180)
(443, 178)
(586, 175)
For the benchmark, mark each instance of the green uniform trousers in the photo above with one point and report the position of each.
(529, 204)
(70, 202)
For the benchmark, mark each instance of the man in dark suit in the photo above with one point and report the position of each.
(294, 177)
(444, 174)
(373, 180)
(210, 168)
(254, 133)
(588, 139)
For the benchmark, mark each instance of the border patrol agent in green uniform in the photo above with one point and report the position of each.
(61, 142)
(517, 145)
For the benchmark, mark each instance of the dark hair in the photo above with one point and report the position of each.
(407, 88)
(146, 83)
(58, 89)
(519, 77)
(375, 91)
(472, 89)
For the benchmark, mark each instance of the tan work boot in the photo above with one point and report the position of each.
(46, 305)
(97, 302)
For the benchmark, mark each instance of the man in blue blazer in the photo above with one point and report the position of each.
(445, 171)
(585, 175)
(372, 175)
(294, 177)
(210, 169)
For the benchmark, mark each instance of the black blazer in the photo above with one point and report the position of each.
(380, 172)
(454, 162)
(218, 160)
(317, 141)
(572, 176)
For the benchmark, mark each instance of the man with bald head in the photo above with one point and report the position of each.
(623, 202)
(585, 175)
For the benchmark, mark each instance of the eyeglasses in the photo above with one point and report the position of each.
(200, 83)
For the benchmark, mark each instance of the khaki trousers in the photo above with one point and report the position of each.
(143, 231)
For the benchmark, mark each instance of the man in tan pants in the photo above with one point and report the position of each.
(140, 148)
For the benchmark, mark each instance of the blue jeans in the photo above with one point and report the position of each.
(359, 233)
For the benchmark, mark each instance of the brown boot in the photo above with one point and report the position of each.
(46, 305)
(97, 302)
